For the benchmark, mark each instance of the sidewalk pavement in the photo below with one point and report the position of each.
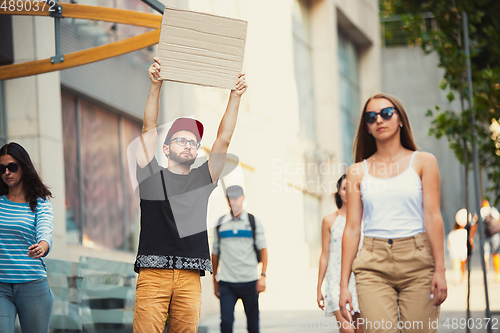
(452, 319)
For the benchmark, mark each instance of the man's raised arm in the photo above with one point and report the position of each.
(146, 149)
(226, 130)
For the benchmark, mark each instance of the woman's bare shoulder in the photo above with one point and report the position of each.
(329, 219)
(356, 171)
(425, 159)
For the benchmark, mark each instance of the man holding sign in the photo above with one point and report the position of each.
(173, 247)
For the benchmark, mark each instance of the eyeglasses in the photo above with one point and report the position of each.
(182, 142)
(13, 167)
(385, 113)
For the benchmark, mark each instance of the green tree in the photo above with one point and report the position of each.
(436, 26)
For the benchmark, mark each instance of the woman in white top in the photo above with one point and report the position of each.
(400, 271)
(329, 263)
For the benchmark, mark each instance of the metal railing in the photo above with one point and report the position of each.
(393, 33)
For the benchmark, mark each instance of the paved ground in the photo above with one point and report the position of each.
(452, 319)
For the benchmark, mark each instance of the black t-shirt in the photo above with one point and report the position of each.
(174, 218)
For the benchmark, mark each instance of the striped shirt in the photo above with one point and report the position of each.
(19, 229)
(237, 258)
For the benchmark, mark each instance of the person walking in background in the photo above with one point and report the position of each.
(329, 264)
(239, 245)
(400, 271)
(26, 224)
(491, 218)
(457, 247)
(173, 246)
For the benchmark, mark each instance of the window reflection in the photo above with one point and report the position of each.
(302, 54)
(349, 93)
(101, 209)
(101, 178)
(73, 224)
(92, 295)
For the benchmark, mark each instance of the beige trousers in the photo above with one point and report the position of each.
(173, 291)
(393, 281)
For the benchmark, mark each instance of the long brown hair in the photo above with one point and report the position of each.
(364, 143)
(32, 184)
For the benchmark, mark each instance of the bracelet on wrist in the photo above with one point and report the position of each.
(263, 274)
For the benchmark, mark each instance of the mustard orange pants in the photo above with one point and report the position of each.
(176, 292)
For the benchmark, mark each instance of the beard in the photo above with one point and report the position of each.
(183, 160)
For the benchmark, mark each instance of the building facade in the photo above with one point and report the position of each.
(310, 65)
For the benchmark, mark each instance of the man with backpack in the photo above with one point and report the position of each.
(239, 245)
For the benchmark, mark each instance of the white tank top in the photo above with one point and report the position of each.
(392, 207)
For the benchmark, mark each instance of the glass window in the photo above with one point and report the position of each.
(303, 68)
(129, 131)
(102, 33)
(102, 210)
(349, 94)
(394, 34)
(101, 177)
(71, 169)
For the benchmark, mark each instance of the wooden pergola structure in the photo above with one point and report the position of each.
(70, 10)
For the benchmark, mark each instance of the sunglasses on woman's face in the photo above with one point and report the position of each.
(385, 113)
(13, 167)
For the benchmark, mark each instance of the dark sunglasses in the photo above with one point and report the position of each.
(385, 113)
(13, 167)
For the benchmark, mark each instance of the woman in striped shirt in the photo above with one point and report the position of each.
(26, 223)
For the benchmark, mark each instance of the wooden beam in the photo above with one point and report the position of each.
(116, 15)
(95, 13)
(81, 57)
(147, 20)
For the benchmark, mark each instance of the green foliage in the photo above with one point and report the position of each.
(443, 34)
(450, 96)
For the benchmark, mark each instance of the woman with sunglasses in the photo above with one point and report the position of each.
(400, 272)
(26, 223)
(329, 263)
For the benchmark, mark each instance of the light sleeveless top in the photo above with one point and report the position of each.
(392, 207)
(332, 277)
